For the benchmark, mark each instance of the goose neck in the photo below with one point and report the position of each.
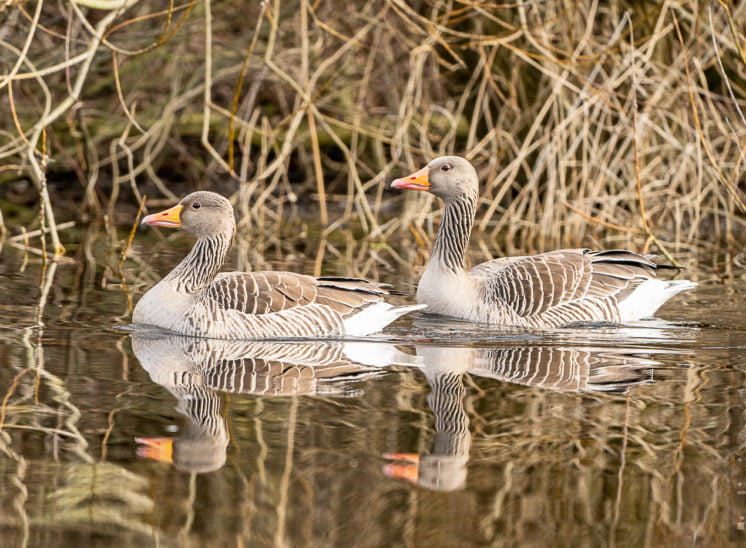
(203, 263)
(449, 249)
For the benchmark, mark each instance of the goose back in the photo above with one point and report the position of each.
(559, 287)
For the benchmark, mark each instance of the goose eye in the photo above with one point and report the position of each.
(445, 167)
(196, 205)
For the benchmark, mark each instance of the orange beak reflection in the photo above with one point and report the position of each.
(408, 470)
(169, 218)
(160, 449)
(416, 181)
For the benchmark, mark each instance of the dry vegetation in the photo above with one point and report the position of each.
(616, 121)
(591, 123)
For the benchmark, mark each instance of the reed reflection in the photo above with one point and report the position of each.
(198, 371)
(549, 368)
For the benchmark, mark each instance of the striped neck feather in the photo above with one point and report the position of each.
(453, 236)
(203, 263)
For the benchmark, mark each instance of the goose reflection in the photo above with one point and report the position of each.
(197, 371)
(550, 368)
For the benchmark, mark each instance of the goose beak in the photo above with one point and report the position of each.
(160, 449)
(170, 218)
(416, 181)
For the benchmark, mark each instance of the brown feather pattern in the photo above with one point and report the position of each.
(546, 290)
(194, 299)
(270, 292)
(563, 286)
(564, 369)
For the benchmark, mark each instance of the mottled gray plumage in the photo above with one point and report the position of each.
(540, 291)
(195, 299)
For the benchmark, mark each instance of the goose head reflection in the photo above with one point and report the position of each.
(550, 368)
(198, 371)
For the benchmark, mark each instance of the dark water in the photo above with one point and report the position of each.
(436, 433)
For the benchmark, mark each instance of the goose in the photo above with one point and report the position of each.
(196, 299)
(540, 291)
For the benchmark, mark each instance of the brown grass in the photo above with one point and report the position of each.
(591, 123)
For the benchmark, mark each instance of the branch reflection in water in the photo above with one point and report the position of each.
(196, 371)
(550, 368)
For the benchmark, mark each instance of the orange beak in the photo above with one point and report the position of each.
(169, 218)
(416, 181)
(160, 449)
(401, 471)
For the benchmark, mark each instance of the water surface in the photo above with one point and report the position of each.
(435, 433)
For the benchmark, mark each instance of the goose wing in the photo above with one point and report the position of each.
(269, 292)
(536, 284)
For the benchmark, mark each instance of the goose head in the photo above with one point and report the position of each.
(448, 177)
(203, 214)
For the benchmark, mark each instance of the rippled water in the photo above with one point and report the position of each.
(435, 433)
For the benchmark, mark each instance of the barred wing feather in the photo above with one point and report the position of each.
(538, 284)
(259, 293)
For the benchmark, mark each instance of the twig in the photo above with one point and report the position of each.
(692, 101)
(239, 84)
(34, 233)
(636, 150)
(125, 251)
(601, 222)
(318, 170)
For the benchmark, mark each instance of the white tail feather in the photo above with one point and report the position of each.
(649, 297)
(375, 317)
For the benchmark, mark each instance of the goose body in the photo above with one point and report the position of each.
(196, 299)
(538, 291)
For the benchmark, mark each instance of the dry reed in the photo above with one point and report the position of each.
(591, 123)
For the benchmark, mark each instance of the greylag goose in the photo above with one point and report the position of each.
(195, 299)
(540, 291)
